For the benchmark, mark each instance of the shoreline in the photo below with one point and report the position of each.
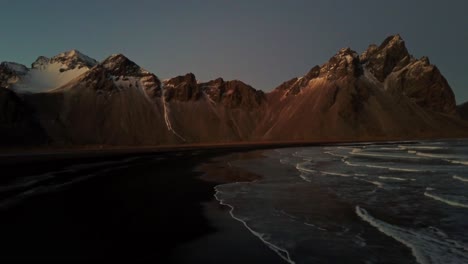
(50, 150)
(234, 240)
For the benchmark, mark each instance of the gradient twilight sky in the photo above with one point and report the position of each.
(261, 42)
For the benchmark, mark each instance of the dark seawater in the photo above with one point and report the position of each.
(365, 203)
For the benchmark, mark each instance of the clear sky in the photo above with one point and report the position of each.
(261, 42)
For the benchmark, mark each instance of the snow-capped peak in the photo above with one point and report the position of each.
(119, 65)
(73, 59)
(49, 73)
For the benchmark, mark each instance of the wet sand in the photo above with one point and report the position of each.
(154, 208)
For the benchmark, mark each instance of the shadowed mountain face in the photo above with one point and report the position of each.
(463, 110)
(384, 93)
(18, 125)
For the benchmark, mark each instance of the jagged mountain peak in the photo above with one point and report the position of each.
(120, 65)
(344, 63)
(188, 78)
(75, 57)
(393, 41)
(233, 93)
(382, 60)
(182, 88)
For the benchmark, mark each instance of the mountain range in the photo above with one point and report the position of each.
(73, 100)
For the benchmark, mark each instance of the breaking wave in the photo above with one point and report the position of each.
(427, 246)
(450, 200)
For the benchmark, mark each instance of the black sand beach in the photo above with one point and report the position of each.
(137, 207)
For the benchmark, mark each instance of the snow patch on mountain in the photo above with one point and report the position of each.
(48, 78)
(47, 74)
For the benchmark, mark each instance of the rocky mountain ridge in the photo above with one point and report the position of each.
(383, 93)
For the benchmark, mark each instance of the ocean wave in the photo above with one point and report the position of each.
(376, 183)
(395, 178)
(41, 189)
(430, 155)
(30, 181)
(50, 182)
(383, 155)
(403, 147)
(449, 200)
(283, 253)
(380, 167)
(462, 162)
(426, 246)
(449, 158)
(335, 173)
(460, 178)
(392, 168)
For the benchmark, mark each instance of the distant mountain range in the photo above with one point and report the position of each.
(73, 100)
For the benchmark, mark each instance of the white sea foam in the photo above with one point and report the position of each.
(288, 215)
(360, 174)
(283, 253)
(429, 155)
(304, 177)
(456, 177)
(387, 148)
(392, 168)
(317, 227)
(463, 162)
(380, 167)
(376, 183)
(335, 173)
(448, 158)
(351, 164)
(452, 201)
(426, 246)
(302, 168)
